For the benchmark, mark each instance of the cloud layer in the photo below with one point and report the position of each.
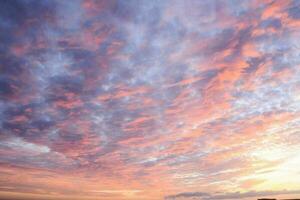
(144, 99)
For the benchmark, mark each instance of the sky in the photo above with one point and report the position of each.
(149, 99)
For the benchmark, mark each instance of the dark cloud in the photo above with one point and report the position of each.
(188, 195)
(274, 23)
(234, 195)
(294, 10)
(138, 12)
(18, 13)
(254, 64)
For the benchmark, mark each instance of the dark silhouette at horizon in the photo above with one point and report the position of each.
(275, 199)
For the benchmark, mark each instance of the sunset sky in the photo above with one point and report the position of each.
(149, 99)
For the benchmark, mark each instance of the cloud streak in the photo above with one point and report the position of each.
(231, 195)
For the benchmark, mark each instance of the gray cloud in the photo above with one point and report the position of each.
(230, 195)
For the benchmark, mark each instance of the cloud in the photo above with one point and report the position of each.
(148, 96)
(188, 195)
(233, 195)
